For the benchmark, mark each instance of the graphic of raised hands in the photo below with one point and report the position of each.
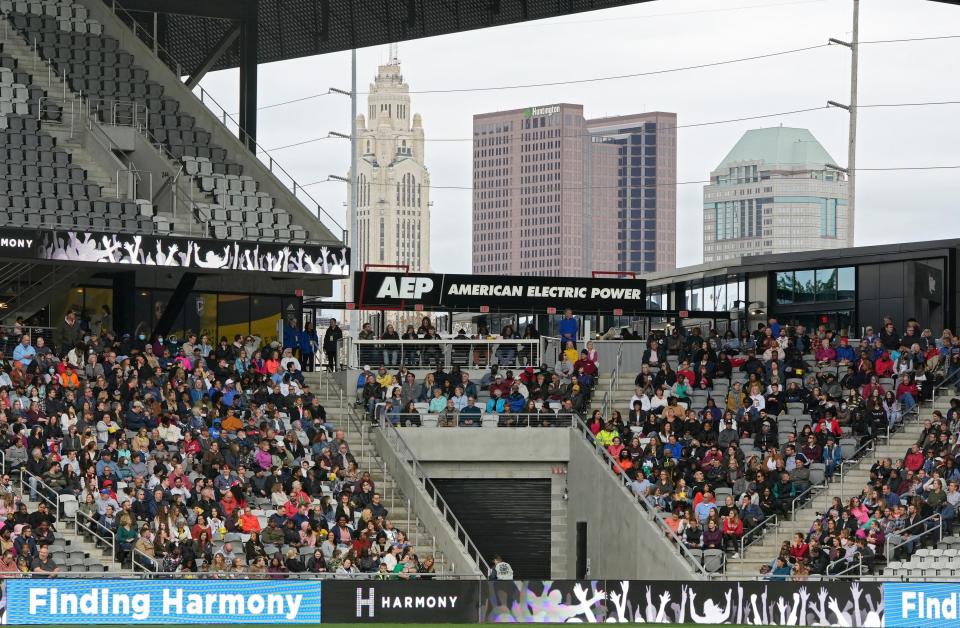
(820, 610)
(651, 610)
(712, 613)
(619, 599)
(804, 599)
(133, 251)
(758, 617)
(855, 593)
(843, 619)
(324, 251)
(874, 618)
(680, 610)
(587, 602)
(213, 260)
(782, 607)
(662, 612)
(110, 246)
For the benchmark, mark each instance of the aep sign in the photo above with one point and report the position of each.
(394, 287)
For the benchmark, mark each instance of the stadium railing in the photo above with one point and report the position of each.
(448, 352)
(404, 454)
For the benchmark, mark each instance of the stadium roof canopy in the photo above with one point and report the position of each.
(288, 29)
(205, 35)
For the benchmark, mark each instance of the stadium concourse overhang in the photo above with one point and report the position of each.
(149, 281)
(210, 35)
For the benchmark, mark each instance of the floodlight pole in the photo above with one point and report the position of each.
(854, 46)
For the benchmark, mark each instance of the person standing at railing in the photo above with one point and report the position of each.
(391, 352)
(332, 337)
(308, 343)
(568, 328)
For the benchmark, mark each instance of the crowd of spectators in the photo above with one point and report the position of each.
(726, 431)
(541, 396)
(195, 456)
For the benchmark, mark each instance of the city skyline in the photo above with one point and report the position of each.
(893, 206)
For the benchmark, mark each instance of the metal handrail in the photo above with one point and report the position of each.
(204, 575)
(645, 506)
(798, 500)
(53, 503)
(858, 565)
(853, 460)
(390, 432)
(92, 527)
(758, 532)
(363, 352)
(888, 550)
(609, 396)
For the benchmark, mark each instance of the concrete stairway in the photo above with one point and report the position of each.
(339, 414)
(96, 558)
(68, 137)
(856, 478)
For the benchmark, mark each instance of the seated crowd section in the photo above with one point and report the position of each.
(117, 90)
(513, 391)
(194, 456)
(725, 432)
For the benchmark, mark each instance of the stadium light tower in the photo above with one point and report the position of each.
(851, 108)
(354, 241)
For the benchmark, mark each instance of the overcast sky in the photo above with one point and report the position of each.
(891, 206)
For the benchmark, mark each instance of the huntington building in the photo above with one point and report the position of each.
(556, 194)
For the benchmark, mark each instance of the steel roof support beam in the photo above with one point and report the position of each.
(221, 48)
(248, 75)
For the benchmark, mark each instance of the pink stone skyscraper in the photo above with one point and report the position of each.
(557, 194)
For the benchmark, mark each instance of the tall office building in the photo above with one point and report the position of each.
(392, 183)
(558, 194)
(773, 193)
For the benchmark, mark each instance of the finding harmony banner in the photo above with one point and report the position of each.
(60, 601)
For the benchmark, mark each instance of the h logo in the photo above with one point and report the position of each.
(368, 602)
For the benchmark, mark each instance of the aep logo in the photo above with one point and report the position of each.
(405, 288)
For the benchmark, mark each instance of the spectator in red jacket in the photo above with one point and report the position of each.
(883, 366)
(914, 459)
(828, 425)
(907, 393)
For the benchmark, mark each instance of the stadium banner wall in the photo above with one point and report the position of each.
(737, 603)
(920, 604)
(174, 252)
(62, 601)
(469, 293)
(400, 601)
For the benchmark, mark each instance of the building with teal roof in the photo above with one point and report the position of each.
(775, 192)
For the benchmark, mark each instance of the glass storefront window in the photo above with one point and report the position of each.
(804, 288)
(846, 283)
(827, 284)
(785, 288)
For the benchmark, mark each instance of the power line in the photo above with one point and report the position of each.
(661, 128)
(616, 77)
(542, 23)
(603, 187)
(633, 75)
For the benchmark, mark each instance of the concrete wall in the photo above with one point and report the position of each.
(622, 541)
(421, 503)
(486, 446)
